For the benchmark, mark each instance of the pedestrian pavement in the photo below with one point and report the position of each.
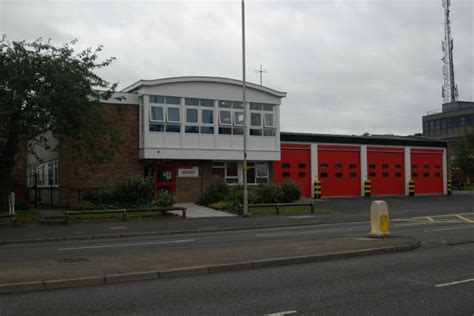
(199, 211)
(45, 274)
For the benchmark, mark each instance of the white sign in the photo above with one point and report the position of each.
(188, 172)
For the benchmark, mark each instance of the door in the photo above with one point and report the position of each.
(427, 170)
(165, 177)
(339, 170)
(295, 166)
(385, 170)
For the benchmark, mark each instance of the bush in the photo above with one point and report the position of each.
(291, 192)
(236, 197)
(84, 205)
(221, 206)
(132, 192)
(216, 191)
(269, 193)
(165, 199)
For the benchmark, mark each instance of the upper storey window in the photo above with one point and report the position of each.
(199, 102)
(157, 114)
(165, 114)
(262, 119)
(159, 99)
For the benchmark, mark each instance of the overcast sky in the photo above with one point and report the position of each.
(348, 66)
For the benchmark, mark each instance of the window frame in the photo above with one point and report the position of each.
(151, 113)
(167, 114)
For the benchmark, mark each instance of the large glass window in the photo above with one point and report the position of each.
(239, 118)
(225, 118)
(173, 115)
(191, 116)
(269, 120)
(159, 99)
(226, 170)
(157, 114)
(191, 101)
(207, 116)
(256, 119)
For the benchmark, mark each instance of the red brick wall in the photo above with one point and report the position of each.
(78, 176)
(190, 189)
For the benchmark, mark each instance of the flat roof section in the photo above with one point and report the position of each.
(387, 140)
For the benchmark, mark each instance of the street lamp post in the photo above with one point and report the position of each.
(244, 104)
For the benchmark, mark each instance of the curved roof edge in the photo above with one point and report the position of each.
(235, 82)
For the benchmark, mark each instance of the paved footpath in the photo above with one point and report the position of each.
(46, 274)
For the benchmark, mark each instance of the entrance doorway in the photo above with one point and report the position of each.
(165, 177)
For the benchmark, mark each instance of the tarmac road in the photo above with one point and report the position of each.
(434, 280)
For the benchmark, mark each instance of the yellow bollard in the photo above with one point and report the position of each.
(379, 220)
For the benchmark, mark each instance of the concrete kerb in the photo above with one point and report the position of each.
(163, 233)
(10, 288)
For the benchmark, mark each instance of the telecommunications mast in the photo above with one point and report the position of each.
(450, 90)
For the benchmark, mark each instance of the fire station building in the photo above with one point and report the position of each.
(184, 131)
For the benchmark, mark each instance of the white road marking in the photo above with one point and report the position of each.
(453, 228)
(281, 313)
(454, 283)
(412, 224)
(298, 233)
(127, 245)
(118, 227)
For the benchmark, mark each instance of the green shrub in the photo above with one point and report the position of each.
(84, 205)
(268, 193)
(132, 192)
(216, 191)
(221, 206)
(21, 203)
(236, 196)
(165, 199)
(291, 192)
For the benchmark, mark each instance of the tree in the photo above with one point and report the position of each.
(49, 88)
(464, 154)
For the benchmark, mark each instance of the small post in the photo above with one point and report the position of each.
(277, 206)
(317, 189)
(379, 221)
(411, 187)
(11, 204)
(450, 187)
(184, 212)
(312, 208)
(367, 188)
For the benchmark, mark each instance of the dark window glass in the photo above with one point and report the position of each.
(207, 130)
(285, 165)
(302, 174)
(398, 174)
(157, 113)
(437, 174)
(338, 174)
(192, 129)
(157, 128)
(353, 175)
(398, 166)
(191, 101)
(225, 130)
(385, 174)
(268, 107)
(268, 132)
(385, 166)
(225, 104)
(191, 116)
(372, 174)
(324, 166)
(414, 175)
(323, 175)
(338, 166)
(173, 115)
(172, 100)
(301, 165)
(156, 99)
(372, 166)
(414, 166)
(256, 132)
(237, 105)
(256, 106)
(285, 174)
(352, 166)
(426, 167)
(207, 116)
(437, 168)
(173, 128)
(238, 131)
(426, 174)
(207, 102)
(255, 119)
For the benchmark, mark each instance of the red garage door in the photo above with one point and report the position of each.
(295, 165)
(385, 170)
(339, 170)
(427, 170)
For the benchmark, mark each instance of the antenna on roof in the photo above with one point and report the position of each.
(450, 89)
(261, 71)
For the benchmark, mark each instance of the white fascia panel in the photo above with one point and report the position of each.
(202, 154)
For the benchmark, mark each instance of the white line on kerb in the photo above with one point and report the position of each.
(454, 283)
(126, 245)
(298, 233)
(282, 313)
